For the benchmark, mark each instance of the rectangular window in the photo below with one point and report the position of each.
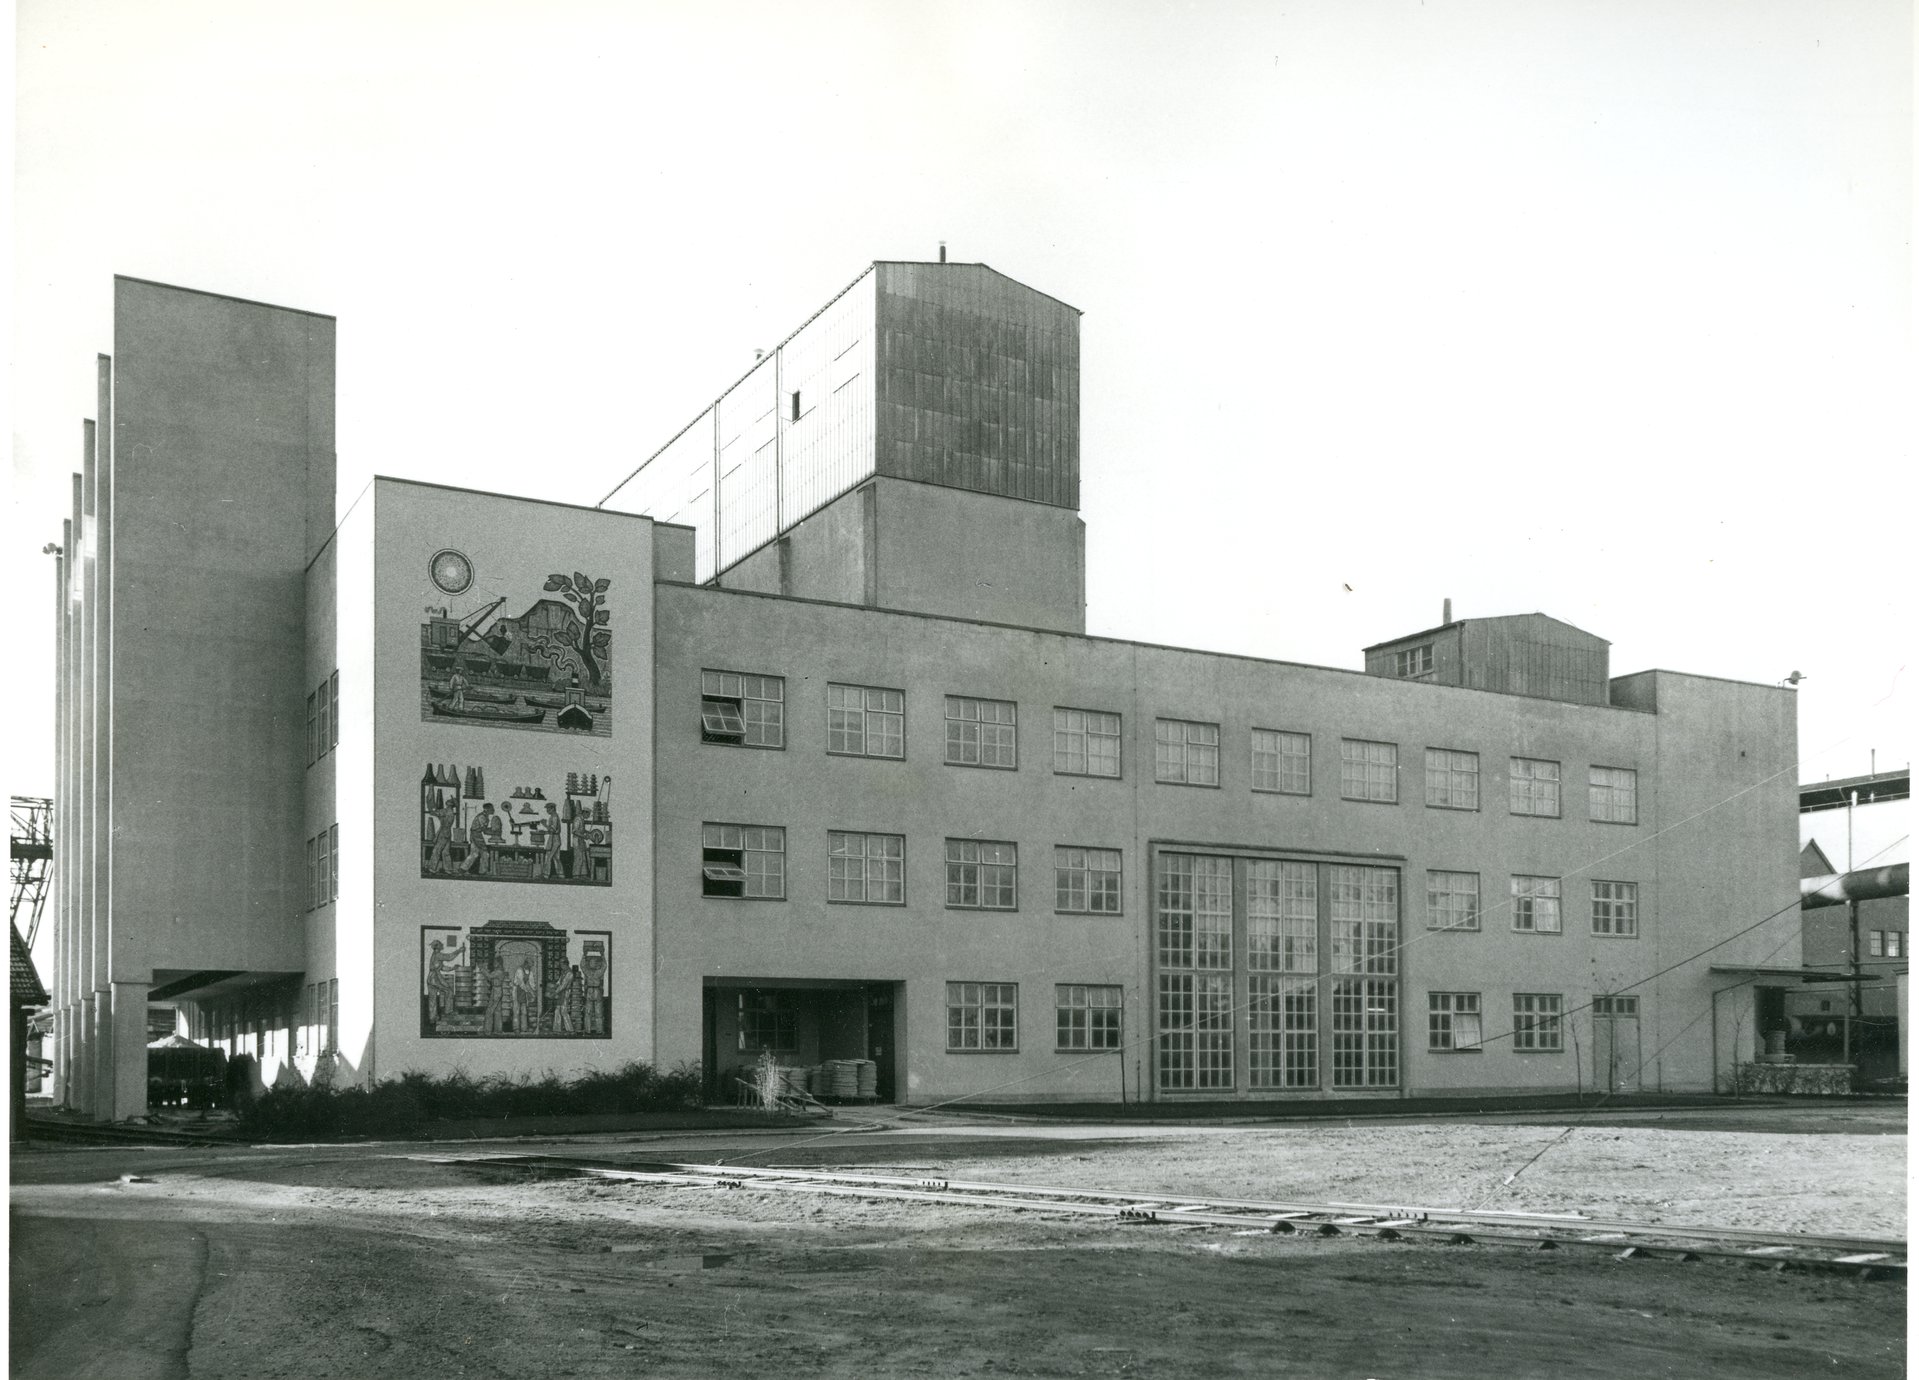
(1368, 771)
(1610, 1008)
(1085, 743)
(869, 868)
(1195, 1031)
(1536, 904)
(1452, 1020)
(1616, 908)
(1875, 944)
(1086, 881)
(982, 733)
(1612, 795)
(333, 698)
(1536, 1024)
(1282, 762)
(1282, 916)
(326, 719)
(1195, 911)
(333, 1016)
(1414, 661)
(313, 734)
(742, 710)
(982, 1015)
(1185, 753)
(333, 865)
(1452, 900)
(1534, 787)
(982, 874)
(1365, 1033)
(744, 860)
(1284, 1026)
(865, 721)
(1088, 1016)
(1452, 779)
(313, 873)
(1895, 943)
(768, 1021)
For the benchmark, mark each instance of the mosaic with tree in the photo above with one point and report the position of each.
(548, 667)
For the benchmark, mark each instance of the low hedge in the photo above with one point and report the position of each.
(399, 1106)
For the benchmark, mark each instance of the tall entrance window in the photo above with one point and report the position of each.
(1275, 974)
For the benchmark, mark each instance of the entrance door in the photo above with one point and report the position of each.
(1616, 1058)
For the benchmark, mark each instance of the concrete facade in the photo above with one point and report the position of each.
(548, 787)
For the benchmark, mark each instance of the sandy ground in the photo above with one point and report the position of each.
(323, 1261)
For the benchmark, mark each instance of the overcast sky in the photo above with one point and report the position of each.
(1598, 309)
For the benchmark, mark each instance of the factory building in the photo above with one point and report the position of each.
(795, 743)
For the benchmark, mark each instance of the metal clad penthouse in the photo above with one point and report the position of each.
(795, 746)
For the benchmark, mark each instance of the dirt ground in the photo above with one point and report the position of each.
(331, 1261)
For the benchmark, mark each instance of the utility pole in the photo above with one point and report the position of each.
(1855, 999)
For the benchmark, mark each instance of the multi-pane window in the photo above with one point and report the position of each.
(1895, 943)
(1536, 1023)
(1283, 1023)
(1368, 771)
(1089, 1016)
(313, 873)
(1452, 900)
(1282, 762)
(1365, 915)
(1185, 753)
(1616, 1008)
(1875, 943)
(982, 1015)
(982, 733)
(1365, 1033)
(313, 734)
(742, 710)
(1282, 916)
(982, 874)
(1452, 1020)
(1414, 661)
(1612, 795)
(333, 864)
(1536, 904)
(1086, 880)
(767, 1020)
(1195, 1030)
(1085, 742)
(745, 860)
(1533, 787)
(865, 721)
(326, 718)
(1452, 779)
(1616, 908)
(333, 697)
(866, 867)
(1365, 939)
(333, 1016)
(1195, 911)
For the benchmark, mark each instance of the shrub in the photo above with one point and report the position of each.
(398, 1106)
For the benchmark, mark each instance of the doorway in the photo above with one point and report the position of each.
(804, 1025)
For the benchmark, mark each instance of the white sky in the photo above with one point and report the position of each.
(1601, 309)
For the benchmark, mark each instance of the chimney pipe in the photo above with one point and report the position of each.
(1446, 612)
(942, 251)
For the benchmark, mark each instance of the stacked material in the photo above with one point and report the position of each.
(869, 1078)
(841, 1078)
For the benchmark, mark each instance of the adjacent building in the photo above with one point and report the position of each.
(796, 744)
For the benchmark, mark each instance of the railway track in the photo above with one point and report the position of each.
(1866, 1256)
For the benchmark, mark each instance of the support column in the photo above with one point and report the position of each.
(82, 1100)
(100, 1098)
(129, 1058)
